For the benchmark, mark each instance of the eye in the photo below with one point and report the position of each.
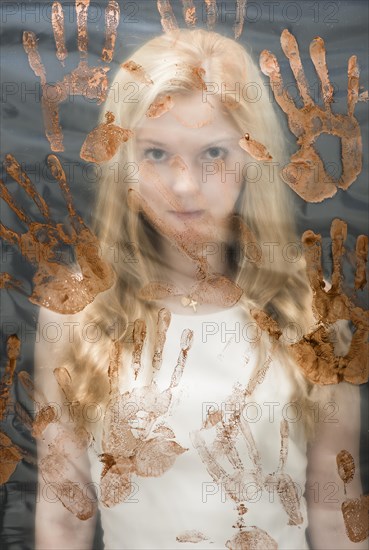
(215, 153)
(155, 154)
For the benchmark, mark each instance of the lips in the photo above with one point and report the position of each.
(187, 214)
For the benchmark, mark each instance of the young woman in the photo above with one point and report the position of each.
(186, 421)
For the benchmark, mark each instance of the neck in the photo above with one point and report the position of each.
(183, 271)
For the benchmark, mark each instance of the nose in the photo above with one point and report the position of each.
(184, 180)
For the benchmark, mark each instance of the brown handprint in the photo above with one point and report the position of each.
(65, 448)
(136, 439)
(306, 174)
(169, 21)
(13, 349)
(211, 288)
(279, 481)
(102, 142)
(84, 80)
(314, 352)
(224, 445)
(355, 510)
(59, 287)
(10, 454)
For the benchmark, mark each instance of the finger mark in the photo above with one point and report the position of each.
(50, 113)
(164, 317)
(283, 453)
(160, 106)
(189, 13)
(45, 416)
(266, 323)
(240, 17)
(355, 514)
(186, 343)
(6, 196)
(13, 168)
(252, 449)
(9, 235)
(353, 84)
(7, 281)
(12, 351)
(137, 71)
(27, 384)
(10, 456)
(81, 11)
(232, 454)
(186, 340)
(345, 466)
(191, 536)
(318, 57)
(139, 337)
(361, 261)
(338, 236)
(352, 155)
(312, 244)
(112, 15)
(114, 366)
(57, 22)
(212, 418)
(270, 67)
(30, 46)
(355, 364)
(291, 51)
(29, 387)
(211, 13)
(158, 290)
(24, 416)
(168, 20)
(64, 380)
(215, 289)
(289, 498)
(256, 149)
(194, 74)
(215, 470)
(54, 468)
(59, 174)
(258, 378)
(253, 537)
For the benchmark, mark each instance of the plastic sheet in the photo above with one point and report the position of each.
(57, 66)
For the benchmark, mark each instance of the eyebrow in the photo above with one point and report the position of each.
(219, 140)
(152, 141)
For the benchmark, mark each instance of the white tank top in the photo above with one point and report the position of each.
(208, 468)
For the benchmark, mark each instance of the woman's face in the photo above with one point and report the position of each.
(190, 165)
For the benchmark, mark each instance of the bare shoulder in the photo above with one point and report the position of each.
(55, 330)
(337, 439)
(339, 422)
(55, 338)
(56, 327)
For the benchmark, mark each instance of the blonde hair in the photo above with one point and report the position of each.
(278, 286)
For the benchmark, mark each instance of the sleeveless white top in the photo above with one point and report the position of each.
(212, 471)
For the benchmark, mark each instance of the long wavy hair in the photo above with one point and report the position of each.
(278, 286)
